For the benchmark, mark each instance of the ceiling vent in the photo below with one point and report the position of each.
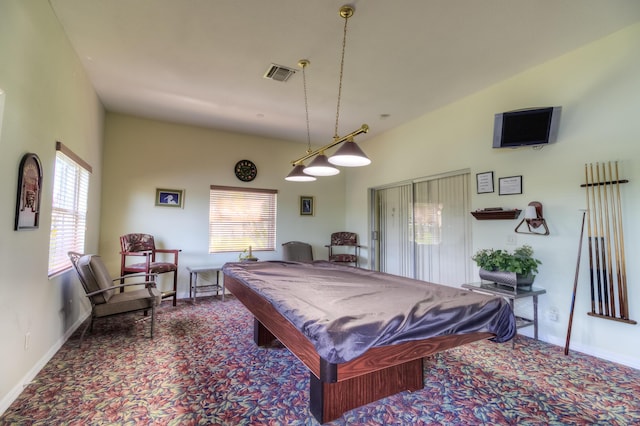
(279, 73)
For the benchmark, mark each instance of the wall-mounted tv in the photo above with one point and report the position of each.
(526, 127)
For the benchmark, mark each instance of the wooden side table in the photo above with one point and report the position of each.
(217, 285)
(512, 294)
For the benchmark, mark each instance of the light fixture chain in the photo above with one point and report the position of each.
(344, 45)
(306, 107)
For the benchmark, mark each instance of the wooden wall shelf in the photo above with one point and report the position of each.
(496, 214)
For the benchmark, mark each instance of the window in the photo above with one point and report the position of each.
(240, 218)
(69, 212)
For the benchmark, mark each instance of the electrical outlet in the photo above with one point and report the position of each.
(552, 314)
(512, 240)
(27, 341)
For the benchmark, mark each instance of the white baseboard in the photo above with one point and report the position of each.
(24, 382)
(598, 353)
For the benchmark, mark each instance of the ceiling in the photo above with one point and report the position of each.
(201, 62)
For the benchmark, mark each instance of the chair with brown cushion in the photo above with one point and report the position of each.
(297, 251)
(344, 240)
(105, 300)
(143, 245)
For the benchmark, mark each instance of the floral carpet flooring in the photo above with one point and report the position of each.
(202, 368)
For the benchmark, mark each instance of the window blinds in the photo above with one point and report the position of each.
(240, 218)
(69, 210)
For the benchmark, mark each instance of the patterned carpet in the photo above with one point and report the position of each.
(202, 368)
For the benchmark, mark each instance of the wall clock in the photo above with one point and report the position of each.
(245, 170)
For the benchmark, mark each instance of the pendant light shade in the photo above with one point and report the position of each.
(349, 155)
(298, 175)
(320, 166)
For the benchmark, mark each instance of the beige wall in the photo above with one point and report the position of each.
(142, 155)
(47, 98)
(598, 87)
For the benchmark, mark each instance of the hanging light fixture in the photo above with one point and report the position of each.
(349, 154)
(298, 174)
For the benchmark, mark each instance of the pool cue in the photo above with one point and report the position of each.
(592, 278)
(575, 287)
(616, 243)
(603, 254)
(596, 245)
(612, 302)
(623, 296)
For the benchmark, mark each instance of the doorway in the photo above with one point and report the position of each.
(422, 228)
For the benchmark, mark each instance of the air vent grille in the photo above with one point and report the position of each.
(279, 73)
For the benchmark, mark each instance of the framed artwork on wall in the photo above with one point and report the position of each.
(510, 185)
(169, 197)
(29, 190)
(484, 182)
(306, 205)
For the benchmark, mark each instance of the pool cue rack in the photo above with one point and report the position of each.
(608, 277)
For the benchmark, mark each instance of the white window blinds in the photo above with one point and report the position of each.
(69, 212)
(240, 218)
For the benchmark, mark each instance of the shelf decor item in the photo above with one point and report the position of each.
(515, 269)
(496, 213)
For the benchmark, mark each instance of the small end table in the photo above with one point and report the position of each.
(217, 285)
(512, 293)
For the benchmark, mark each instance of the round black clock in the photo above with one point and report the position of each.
(245, 170)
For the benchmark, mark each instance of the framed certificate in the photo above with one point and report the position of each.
(510, 185)
(484, 182)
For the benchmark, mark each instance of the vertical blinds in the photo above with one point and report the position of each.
(240, 218)
(69, 210)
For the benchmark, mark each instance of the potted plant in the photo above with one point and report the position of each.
(516, 269)
(247, 257)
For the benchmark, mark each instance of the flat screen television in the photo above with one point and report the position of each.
(526, 127)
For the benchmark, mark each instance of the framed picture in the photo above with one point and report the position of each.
(29, 190)
(484, 182)
(306, 205)
(169, 197)
(510, 185)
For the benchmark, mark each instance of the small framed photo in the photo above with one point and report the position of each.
(510, 185)
(484, 182)
(169, 197)
(306, 205)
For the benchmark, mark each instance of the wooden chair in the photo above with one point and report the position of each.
(143, 245)
(297, 251)
(101, 291)
(347, 240)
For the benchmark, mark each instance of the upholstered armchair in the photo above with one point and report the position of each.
(104, 296)
(344, 248)
(297, 251)
(141, 250)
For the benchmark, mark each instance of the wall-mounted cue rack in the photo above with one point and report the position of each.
(608, 276)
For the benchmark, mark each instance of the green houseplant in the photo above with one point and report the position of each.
(517, 268)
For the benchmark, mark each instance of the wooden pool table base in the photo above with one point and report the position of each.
(337, 388)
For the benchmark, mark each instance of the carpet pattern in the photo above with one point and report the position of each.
(202, 368)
